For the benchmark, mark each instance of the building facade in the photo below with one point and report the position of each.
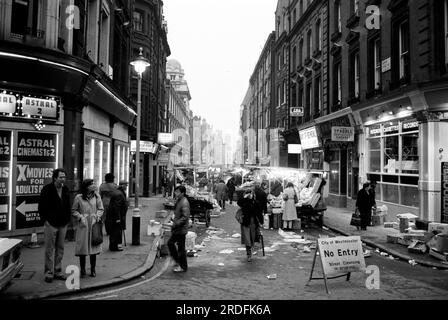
(63, 100)
(150, 33)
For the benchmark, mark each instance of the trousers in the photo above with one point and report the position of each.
(54, 248)
(178, 253)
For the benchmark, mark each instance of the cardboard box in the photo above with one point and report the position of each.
(438, 227)
(442, 242)
(393, 238)
(378, 220)
(418, 247)
(421, 224)
(404, 242)
(438, 255)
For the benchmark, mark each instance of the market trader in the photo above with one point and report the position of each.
(179, 230)
(55, 210)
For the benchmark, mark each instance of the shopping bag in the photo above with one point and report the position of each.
(356, 219)
(97, 233)
(239, 216)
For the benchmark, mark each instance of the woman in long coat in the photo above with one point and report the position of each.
(289, 211)
(364, 203)
(252, 219)
(87, 210)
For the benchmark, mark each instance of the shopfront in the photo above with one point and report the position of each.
(338, 135)
(29, 152)
(148, 167)
(312, 151)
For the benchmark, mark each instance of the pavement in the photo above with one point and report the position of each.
(112, 267)
(338, 220)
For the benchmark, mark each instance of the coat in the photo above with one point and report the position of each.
(118, 207)
(231, 186)
(86, 213)
(364, 202)
(289, 211)
(52, 208)
(262, 199)
(106, 190)
(250, 210)
(221, 191)
(181, 216)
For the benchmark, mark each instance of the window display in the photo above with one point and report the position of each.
(96, 159)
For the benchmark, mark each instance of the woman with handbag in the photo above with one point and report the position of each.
(252, 218)
(87, 210)
(289, 211)
(364, 204)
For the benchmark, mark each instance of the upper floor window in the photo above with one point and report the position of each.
(356, 7)
(354, 75)
(375, 64)
(337, 84)
(285, 55)
(403, 35)
(294, 17)
(301, 8)
(301, 51)
(25, 18)
(285, 88)
(279, 59)
(294, 54)
(319, 35)
(445, 14)
(138, 21)
(309, 44)
(338, 16)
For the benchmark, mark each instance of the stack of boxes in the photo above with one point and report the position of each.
(439, 244)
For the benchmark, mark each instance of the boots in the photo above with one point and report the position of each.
(82, 263)
(92, 265)
(249, 253)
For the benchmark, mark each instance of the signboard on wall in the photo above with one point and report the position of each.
(309, 139)
(386, 65)
(165, 138)
(36, 160)
(444, 190)
(343, 134)
(5, 192)
(296, 111)
(145, 146)
(294, 148)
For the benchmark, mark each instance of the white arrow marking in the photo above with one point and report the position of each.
(23, 208)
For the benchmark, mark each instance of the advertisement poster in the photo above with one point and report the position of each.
(5, 192)
(36, 160)
(341, 255)
(309, 138)
(444, 192)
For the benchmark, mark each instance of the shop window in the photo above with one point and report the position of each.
(374, 155)
(96, 159)
(25, 20)
(409, 196)
(390, 192)
(409, 154)
(138, 21)
(391, 155)
(334, 171)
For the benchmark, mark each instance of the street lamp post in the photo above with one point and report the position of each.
(140, 64)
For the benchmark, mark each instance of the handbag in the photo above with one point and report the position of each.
(97, 233)
(356, 219)
(239, 216)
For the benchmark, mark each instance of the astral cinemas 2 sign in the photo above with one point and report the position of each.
(444, 192)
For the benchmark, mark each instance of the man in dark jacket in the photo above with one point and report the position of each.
(231, 189)
(364, 204)
(179, 230)
(261, 198)
(116, 216)
(54, 209)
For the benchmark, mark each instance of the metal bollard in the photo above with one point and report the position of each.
(136, 227)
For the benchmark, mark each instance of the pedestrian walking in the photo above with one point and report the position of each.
(221, 194)
(179, 230)
(364, 204)
(116, 216)
(87, 210)
(54, 210)
(106, 189)
(252, 219)
(261, 198)
(289, 211)
(231, 189)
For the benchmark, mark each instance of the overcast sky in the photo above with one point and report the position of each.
(218, 43)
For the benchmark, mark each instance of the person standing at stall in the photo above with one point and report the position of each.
(364, 204)
(231, 189)
(179, 230)
(289, 211)
(54, 210)
(252, 219)
(87, 210)
(261, 198)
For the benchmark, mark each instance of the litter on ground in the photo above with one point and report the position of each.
(272, 276)
(236, 235)
(306, 249)
(221, 264)
(226, 251)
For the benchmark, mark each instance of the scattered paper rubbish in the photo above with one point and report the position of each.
(199, 246)
(367, 254)
(325, 228)
(215, 237)
(236, 235)
(412, 262)
(306, 249)
(272, 276)
(226, 251)
(301, 268)
(196, 255)
(384, 254)
(241, 249)
(269, 249)
(288, 235)
(221, 264)
(143, 277)
(298, 240)
(434, 268)
(302, 231)
(377, 250)
(391, 258)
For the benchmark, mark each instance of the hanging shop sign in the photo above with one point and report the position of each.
(5, 190)
(20, 105)
(343, 134)
(36, 160)
(386, 65)
(145, 146)
(309, 139)
(294, 148)
(165, 138)
(341, 255)
(444, 192)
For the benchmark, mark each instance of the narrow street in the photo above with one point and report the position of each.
(220, 272)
